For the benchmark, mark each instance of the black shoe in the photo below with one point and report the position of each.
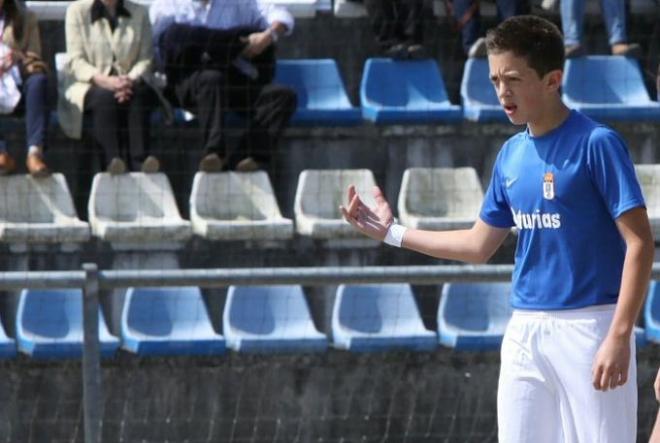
(397, 52)
(211, 163)
(417, 52)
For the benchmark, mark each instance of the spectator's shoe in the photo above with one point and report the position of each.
(397, 52)
(417, 52)
(248, 164)
(211, 163)
(478, 49)
(116, 166)
(7, 163)
(36, 166)
(627, 50)
(150, 165)
(574, 51)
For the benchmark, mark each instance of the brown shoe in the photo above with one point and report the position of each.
(36, 166)
(7, 163)
(116, 166)
(627, 50)
(211, 163)
(150, 165)
(248, 164)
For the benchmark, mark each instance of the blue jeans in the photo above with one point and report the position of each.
(572, 17)
(34, 100)
(471, 29)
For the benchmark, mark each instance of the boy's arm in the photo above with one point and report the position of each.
(612, 360)
(475, 245)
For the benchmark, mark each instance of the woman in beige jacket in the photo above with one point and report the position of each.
(19, 35)
(106, 78)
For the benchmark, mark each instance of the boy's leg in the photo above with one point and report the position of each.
(527, 404)
(588, 414)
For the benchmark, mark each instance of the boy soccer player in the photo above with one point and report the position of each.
(583, 258)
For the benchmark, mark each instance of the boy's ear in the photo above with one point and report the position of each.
(554, 79)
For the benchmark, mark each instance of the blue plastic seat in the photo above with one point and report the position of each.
(652, 313)
(379, 317)
(480, 102)
(49, 324)
(270, 319)
(405, 92)
(473, 316)
(608, 87)
(7, 345)
(168, 321)
(322, 98)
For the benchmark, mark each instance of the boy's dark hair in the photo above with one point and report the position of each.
(534, 38)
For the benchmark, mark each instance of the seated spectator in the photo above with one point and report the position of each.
(467, 15)
(219, 56)
(614, 13)
(106, 81)
(22, 65)
(398, 26)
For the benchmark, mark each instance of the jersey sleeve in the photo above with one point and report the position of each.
(495, 210)
(612, 172)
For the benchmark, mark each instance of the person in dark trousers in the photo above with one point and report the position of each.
(398, 26)
(19, 36)
(219, 58)
(106, 81)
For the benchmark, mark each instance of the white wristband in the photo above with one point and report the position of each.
(394, 236)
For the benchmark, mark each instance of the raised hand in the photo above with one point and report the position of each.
(372, 222)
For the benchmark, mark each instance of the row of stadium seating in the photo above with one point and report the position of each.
(138, 208)
(275, 319)
(604, 87)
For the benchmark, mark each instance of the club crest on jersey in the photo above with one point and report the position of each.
(548, 186)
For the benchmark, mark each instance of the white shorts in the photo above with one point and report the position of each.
(545, 392)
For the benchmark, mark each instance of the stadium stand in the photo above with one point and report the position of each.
(649, 179)
(405, 92)
(135, 208)
(168, 321)
(270, 319)
(318, 196)
(609, 88)
(236, 206)
(39, 211)
(473, 316)
(652, 313)
(378, 318)
(479, 100)
(322, 98)
(7, 345)
(439, 198)
(49, 324)
(349, 9)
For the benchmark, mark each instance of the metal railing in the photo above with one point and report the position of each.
(92, 280)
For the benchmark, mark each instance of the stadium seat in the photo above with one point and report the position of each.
(270, 319)
(39, 210)
(378, 318)
(318, 196)
(405, 92)
(473, 316)
(322, 99)
(349, 9)
(480, 102)
(7, 345)
(236, 206)
(49, 324)
(649, 179)
(608, 87)
(135, 209)
(168, 321)
(652, 313)
(439, 198)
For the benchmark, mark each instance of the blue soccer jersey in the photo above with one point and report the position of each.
(563, 191)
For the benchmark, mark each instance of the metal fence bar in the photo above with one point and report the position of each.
(91, 361)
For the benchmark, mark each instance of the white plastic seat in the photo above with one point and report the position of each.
(649, 179)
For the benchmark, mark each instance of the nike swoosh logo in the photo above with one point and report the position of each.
(510, 181)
